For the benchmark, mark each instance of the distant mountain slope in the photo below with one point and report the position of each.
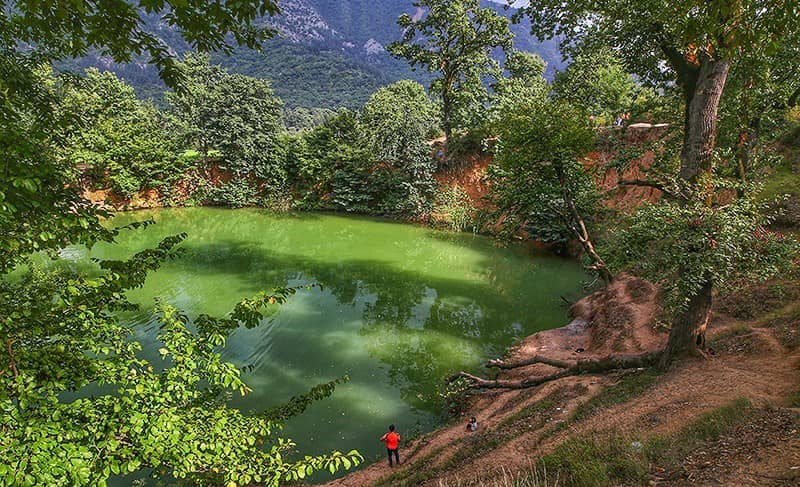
(329, 54)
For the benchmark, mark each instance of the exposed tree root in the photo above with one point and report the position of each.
(570, 368)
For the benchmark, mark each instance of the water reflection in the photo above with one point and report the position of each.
(401, 307)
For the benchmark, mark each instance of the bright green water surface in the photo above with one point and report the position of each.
(401, 307)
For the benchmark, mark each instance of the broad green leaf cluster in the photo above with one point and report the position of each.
(79, 405)
(726, 243)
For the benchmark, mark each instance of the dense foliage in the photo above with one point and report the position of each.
(539, 181)
(397, 122)
(77, 403)
(118, 139)
(63, 335)
(329, 54)
(233, 116)
(223, 140)
(597, 82)
(375, 161)
(726, 243)
(524, 85)
(693, 47)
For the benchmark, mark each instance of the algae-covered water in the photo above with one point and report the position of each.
(401, 307)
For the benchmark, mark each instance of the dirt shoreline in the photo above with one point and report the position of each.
(518, 427)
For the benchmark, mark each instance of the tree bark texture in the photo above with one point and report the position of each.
(702, 105)
(687, 336)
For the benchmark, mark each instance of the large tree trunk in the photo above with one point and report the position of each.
(687, 336)
(700, 124)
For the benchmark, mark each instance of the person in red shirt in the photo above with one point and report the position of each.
(392, 442)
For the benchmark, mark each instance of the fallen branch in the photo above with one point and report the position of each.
(586, 366)
(479, 383)
(536, 359)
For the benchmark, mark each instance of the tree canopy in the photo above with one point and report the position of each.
(598, 82)
(539, 183)
(234, 115)
(455, 40)
(115, 136)
(693, 44)
(61, 329)
(64, 29)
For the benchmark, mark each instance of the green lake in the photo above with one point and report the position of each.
(401, 307)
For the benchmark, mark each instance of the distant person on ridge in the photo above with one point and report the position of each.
(392, 442)
(472, 425)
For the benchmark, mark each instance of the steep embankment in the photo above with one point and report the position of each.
(179, 193)
(470, 172)
(721, 421)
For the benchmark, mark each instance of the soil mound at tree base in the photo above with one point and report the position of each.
(620, 318)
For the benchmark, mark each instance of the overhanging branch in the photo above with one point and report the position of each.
(649, 184)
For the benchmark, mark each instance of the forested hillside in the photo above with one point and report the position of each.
(329, 54)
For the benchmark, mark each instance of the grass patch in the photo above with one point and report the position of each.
(631, 385)
(780, 182)
(532, 477)
(758, 300)
(474, 445)
(735, 330)
(787, 325)
(527, 412)
(732, 339)
(605, 460)
(669, 451)
(416, 477)
(597, 461)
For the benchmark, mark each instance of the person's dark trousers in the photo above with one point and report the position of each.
(396, 456)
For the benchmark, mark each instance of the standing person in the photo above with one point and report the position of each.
(392, 442)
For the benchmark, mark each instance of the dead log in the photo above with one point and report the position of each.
(536, 359)
(584, 366)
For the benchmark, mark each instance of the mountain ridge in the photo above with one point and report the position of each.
(328, 53)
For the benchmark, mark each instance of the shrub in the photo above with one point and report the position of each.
(455, 209)
(236, 193)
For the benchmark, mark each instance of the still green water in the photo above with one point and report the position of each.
(401, 307)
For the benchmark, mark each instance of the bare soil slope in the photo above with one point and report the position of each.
(756, 359)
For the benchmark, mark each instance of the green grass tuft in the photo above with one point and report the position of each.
(597, 461)
(631, 385)
(670, 451)
(610, 459)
